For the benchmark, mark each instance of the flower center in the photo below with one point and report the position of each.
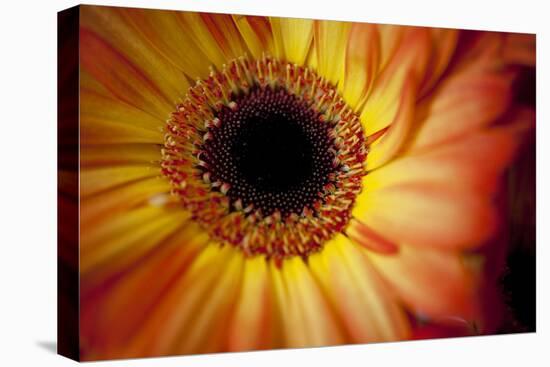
(272, 151)
(267, 157)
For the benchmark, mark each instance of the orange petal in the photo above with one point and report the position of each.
(444, 43)
(368, 310)
(456, 165)
(202, 332)
(411, 56)
(256, 32)
(431, 282)
(390, 38)
(387, 146)
(199, 35)
(478, 51)
(362, 235)
(225, 33)
(463, 103)
(112, 24)
(163, 31)
(120, 76)
(520, 48)
(142, 287)
(251, 327)
(193, 299)
(361, 62)
(427, 215)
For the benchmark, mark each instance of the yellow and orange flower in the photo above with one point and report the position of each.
(421, 125)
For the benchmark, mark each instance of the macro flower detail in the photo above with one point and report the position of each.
(256, 182)
(267, 157)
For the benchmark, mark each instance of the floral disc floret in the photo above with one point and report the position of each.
(266, 156)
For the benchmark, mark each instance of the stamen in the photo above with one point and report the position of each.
(266, 156)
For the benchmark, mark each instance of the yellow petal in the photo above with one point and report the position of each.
(109, 247)
(331, 39)
(97, 131)
(311, 58)
(202, 333)
(96, 180)
(382, 104)
(292, 38)
(307, 318)
(107, 120)
(368, 309)
(120, 199)
(119, 154)
(387, 146)
(361, 63)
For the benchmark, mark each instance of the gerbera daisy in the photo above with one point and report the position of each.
(254, 182)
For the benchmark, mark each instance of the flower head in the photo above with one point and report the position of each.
(255, 182)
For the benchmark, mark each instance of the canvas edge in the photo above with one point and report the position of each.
(68, 328)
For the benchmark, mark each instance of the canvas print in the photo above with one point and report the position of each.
(237, 183)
